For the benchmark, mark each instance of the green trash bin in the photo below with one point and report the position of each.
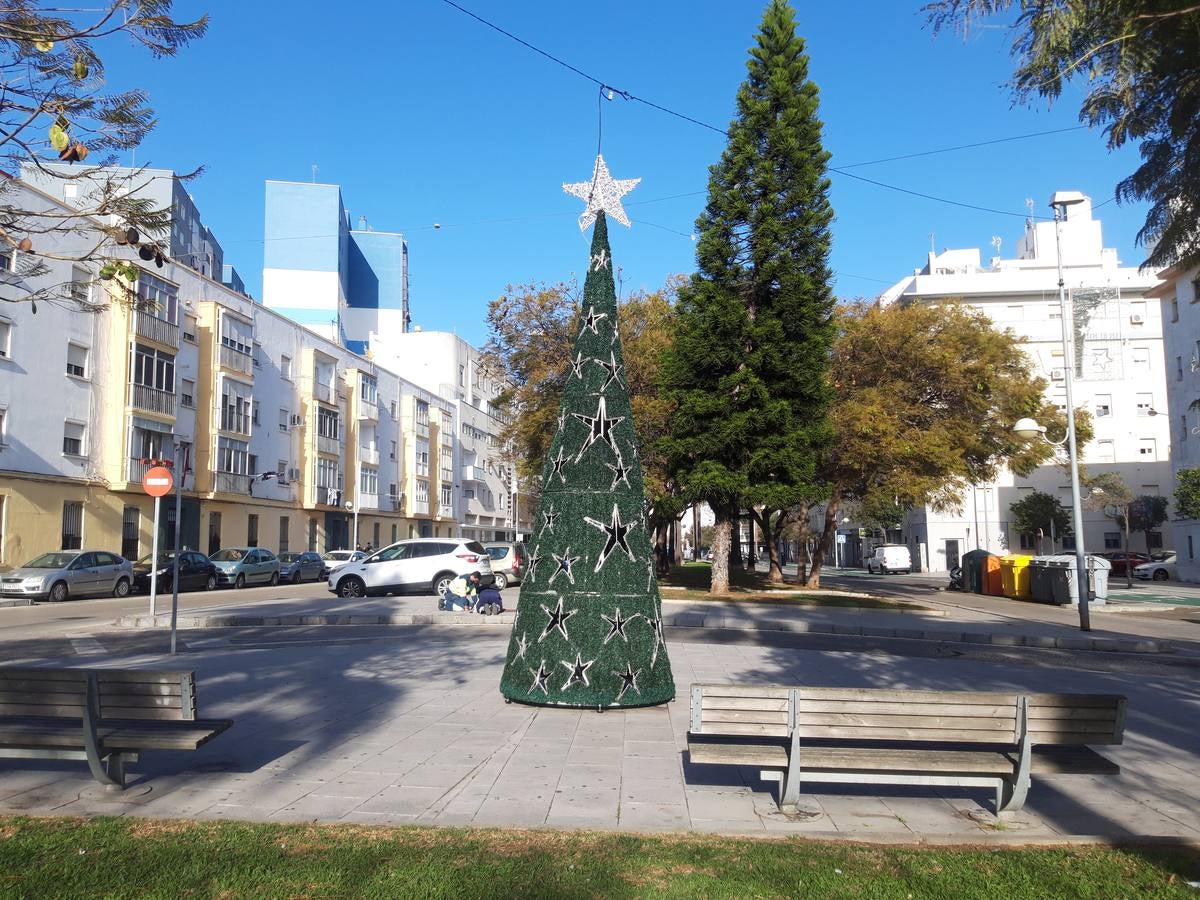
(973, 570)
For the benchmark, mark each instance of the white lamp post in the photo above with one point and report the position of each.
(353, 507)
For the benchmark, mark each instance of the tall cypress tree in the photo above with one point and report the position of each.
(748, 369)
(588, 630)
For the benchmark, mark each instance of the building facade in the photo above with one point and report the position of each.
(1120, 379)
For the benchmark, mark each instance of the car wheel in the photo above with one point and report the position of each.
(500, 581)
(274, 579)
(442, 582)
(1160, 575)
(240, 581)
(352, 586)
(122, 588)
(59, 592)
(210, 583)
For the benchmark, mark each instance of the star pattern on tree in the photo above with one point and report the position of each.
(591, 321)
(612, 367)
(531, 567)
(522, 646)
(656, 626)
(549, 517)
(628, 680)
(562, 419)
(616, 532)
(564, 564)
(558, 464)
(577, 365)
(616, 626)
(620, 473)
(600, 427)
(578, 670)
(557, 620)
(541, 678)
(600, 261)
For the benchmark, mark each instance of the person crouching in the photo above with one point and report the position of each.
(460, 594)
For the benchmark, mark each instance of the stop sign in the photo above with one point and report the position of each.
(157, 481)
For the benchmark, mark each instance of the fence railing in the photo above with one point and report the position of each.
(236, 360)
(328, 444)
(369, 455)
(231, 483)
(154, 328)
(151, 399)
(322, 392)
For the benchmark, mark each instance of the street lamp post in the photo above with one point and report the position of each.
(353, 507)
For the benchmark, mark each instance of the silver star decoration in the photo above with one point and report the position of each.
(522, 646)
(600, 261)
(616, 536)
(602, 193)
(562, 419)
(556, 465)
(601, 426)
(591, 320)
(620, 473)
(612, 367)
(558, 620)
(549, 517)
(531, 567)
(564, 567)
(578, 670)
(616, 626)
(577, 365)
(540, 677)
(656, 626)
(628, 680)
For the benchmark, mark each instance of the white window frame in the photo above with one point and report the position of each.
(3, 426)
(6, 334)
(85, 375)
(187, 397)
(83, 439)
(285, 367)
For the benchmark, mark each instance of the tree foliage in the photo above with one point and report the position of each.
(1187, 493)
(748, 369)
(1139, 61)
(56, 107)
(1041, 515)
(1146, 513)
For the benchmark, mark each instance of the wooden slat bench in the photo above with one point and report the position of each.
(882, 736)
(104, 716)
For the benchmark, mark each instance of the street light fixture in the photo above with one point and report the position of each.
(353, 507)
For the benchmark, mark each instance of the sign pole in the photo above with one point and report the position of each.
(182, 461)
(154, 560)
(156, 483)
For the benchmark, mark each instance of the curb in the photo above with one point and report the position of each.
(4, 603)
(683, 620)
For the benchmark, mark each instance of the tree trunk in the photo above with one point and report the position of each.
(1128, 567)
(677, 542)
(735, 540)
(751, 545)
(662, 562)
(720, 554)
(695, 532)
(828, 534)
(770, 538)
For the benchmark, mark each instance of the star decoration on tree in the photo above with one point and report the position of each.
(603, 192)
(616, 626)
(620, 473)
(531, 567)
(558, 620)
(578, 670)
(522, 646)
(562, 419)
(591, 321)
(612, 367)
(616, 536)
(557, 465)
(577, 365)
(600, 261)
(564, 566)
(656, 626)
(628, 680)
(541, 678)
(600, 429)
(549, 517)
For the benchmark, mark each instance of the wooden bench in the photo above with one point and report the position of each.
(105, 716)
(882, 736)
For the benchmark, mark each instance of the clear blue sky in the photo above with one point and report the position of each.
(424, 116)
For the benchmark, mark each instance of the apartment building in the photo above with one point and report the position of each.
(287, 434)
(1119, 377)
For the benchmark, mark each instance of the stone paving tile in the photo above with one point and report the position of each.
(930, 815)
(651, 749)
(583, 778)
(729, 826)
(723, 806)
(590, 822)
(438, 776)
(865, 814)
(664, 791)
(510, 812)
(315, 809)
(648, 815)
(351, 784)
(401, 799)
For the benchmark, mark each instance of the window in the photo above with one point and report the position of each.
(153, 368)
(393, 409)
(462, 376)
(394, 491)
(74, 437)
(254, 413)
(257, 355)
(237, 335)
(422, 491)
(233, 456)
(252, 530)
(1183, 427)
(422, 457)
(158, 298)
(422, 413)
(77, 356)
(375, 535)
(469, 493)
(252, 464)
(1174, 309)
(146, 444)
(187, 393)
(1145, 403)
(189, 329)
(368, 388)
(1154, 540)
(285, 366)
(1105, 452)
(81, 285)
(235, 406)
(392, 454)
(394, 532)
(1196, 290)
(283, 534)
(447, 496)
(3, 424)
(1141, 359)
(281, 468)
(1191, 555)
(1146, 449)
(1149, 490)
(130, 527)
(1068, 541)
(1179, 368)
(1103, 405)
(6, 259)
(72, 525)
(368, 481)
(284, 419)
(1112, 540)
(327, 423)
(5, 339)
(327, 473)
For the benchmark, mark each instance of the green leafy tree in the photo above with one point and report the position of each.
(588, 631)
(926, 397)
(747, 372)
(1040, 515)
(1187, 493)
(57, 108)
(1147, 513)
(1109, 493)
(1137, 61)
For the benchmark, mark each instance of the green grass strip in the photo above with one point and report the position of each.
(117, 858)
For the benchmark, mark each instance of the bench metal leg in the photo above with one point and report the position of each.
(116, 770)
(790, 787)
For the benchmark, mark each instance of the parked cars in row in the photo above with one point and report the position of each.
(63, 574)
(1158, 570)
(418, 564)
(1120, 561)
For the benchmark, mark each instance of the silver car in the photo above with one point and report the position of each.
(62, 574)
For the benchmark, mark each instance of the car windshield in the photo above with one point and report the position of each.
(497, 552)
(230, 555)
(162, 558)
(51, 561)
(288, 557)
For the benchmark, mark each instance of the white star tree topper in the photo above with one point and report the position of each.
(603, 192)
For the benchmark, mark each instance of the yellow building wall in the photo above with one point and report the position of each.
(32, 516)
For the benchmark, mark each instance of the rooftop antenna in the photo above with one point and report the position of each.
(996, 242)
(932, 245)
(315, 169)
(1029, 206)
(362, 224)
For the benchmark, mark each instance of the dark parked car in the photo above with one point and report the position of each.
(297, 567)
(196, 572)
(1121, 560)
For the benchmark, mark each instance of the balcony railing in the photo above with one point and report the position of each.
(137, 469)
(421, 506)
(156, 329)
(236, 360)
(231, 483)
(368, 409)
(328, 444)
(472, 473)
(322, 392)
(396, 504)
(368, 501)
(151, 399)
(447, 512)
(369, 455)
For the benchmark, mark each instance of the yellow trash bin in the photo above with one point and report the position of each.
(1014, 576)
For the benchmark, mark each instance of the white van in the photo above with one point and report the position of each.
(889, 558)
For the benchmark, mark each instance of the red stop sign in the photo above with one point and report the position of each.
(157, 482)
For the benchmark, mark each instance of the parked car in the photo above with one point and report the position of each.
(63, 574)
(196, 572)
(335, 559)
(297, 567)
(1120, 560)
(420, 564)
(508, 563)
(1159, 570)
(889, 558)
(241, 566)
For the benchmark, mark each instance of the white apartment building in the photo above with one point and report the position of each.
(1179, 294)
(1120, 378)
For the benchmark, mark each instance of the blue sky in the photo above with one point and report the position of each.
(424, 116)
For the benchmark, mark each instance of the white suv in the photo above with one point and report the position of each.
(421, 564)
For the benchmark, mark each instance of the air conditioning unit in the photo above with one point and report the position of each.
(297, 420)
(1137, 319)
(1057, 374)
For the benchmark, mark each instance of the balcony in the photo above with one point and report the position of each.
(136, 470)
(421, 506)
(368, 410)
(151, 399)
(322, 392)
(155, 329)
(447, 512)
(230, 483)
(396, 504)
(329, 496)
(368, 455)
(236, 361)
(472, 473)
(368, 501)
(328, 445)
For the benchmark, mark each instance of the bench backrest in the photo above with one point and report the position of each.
(115, 693)
(1073, 719)
(882, 714)
(752, 711)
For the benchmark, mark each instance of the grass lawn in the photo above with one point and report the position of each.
(147, 858)
(694, 580)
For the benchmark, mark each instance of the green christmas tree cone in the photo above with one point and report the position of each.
(588, 630)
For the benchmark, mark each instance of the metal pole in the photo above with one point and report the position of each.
(1081, 575)
(154, 559)
(180, 474)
